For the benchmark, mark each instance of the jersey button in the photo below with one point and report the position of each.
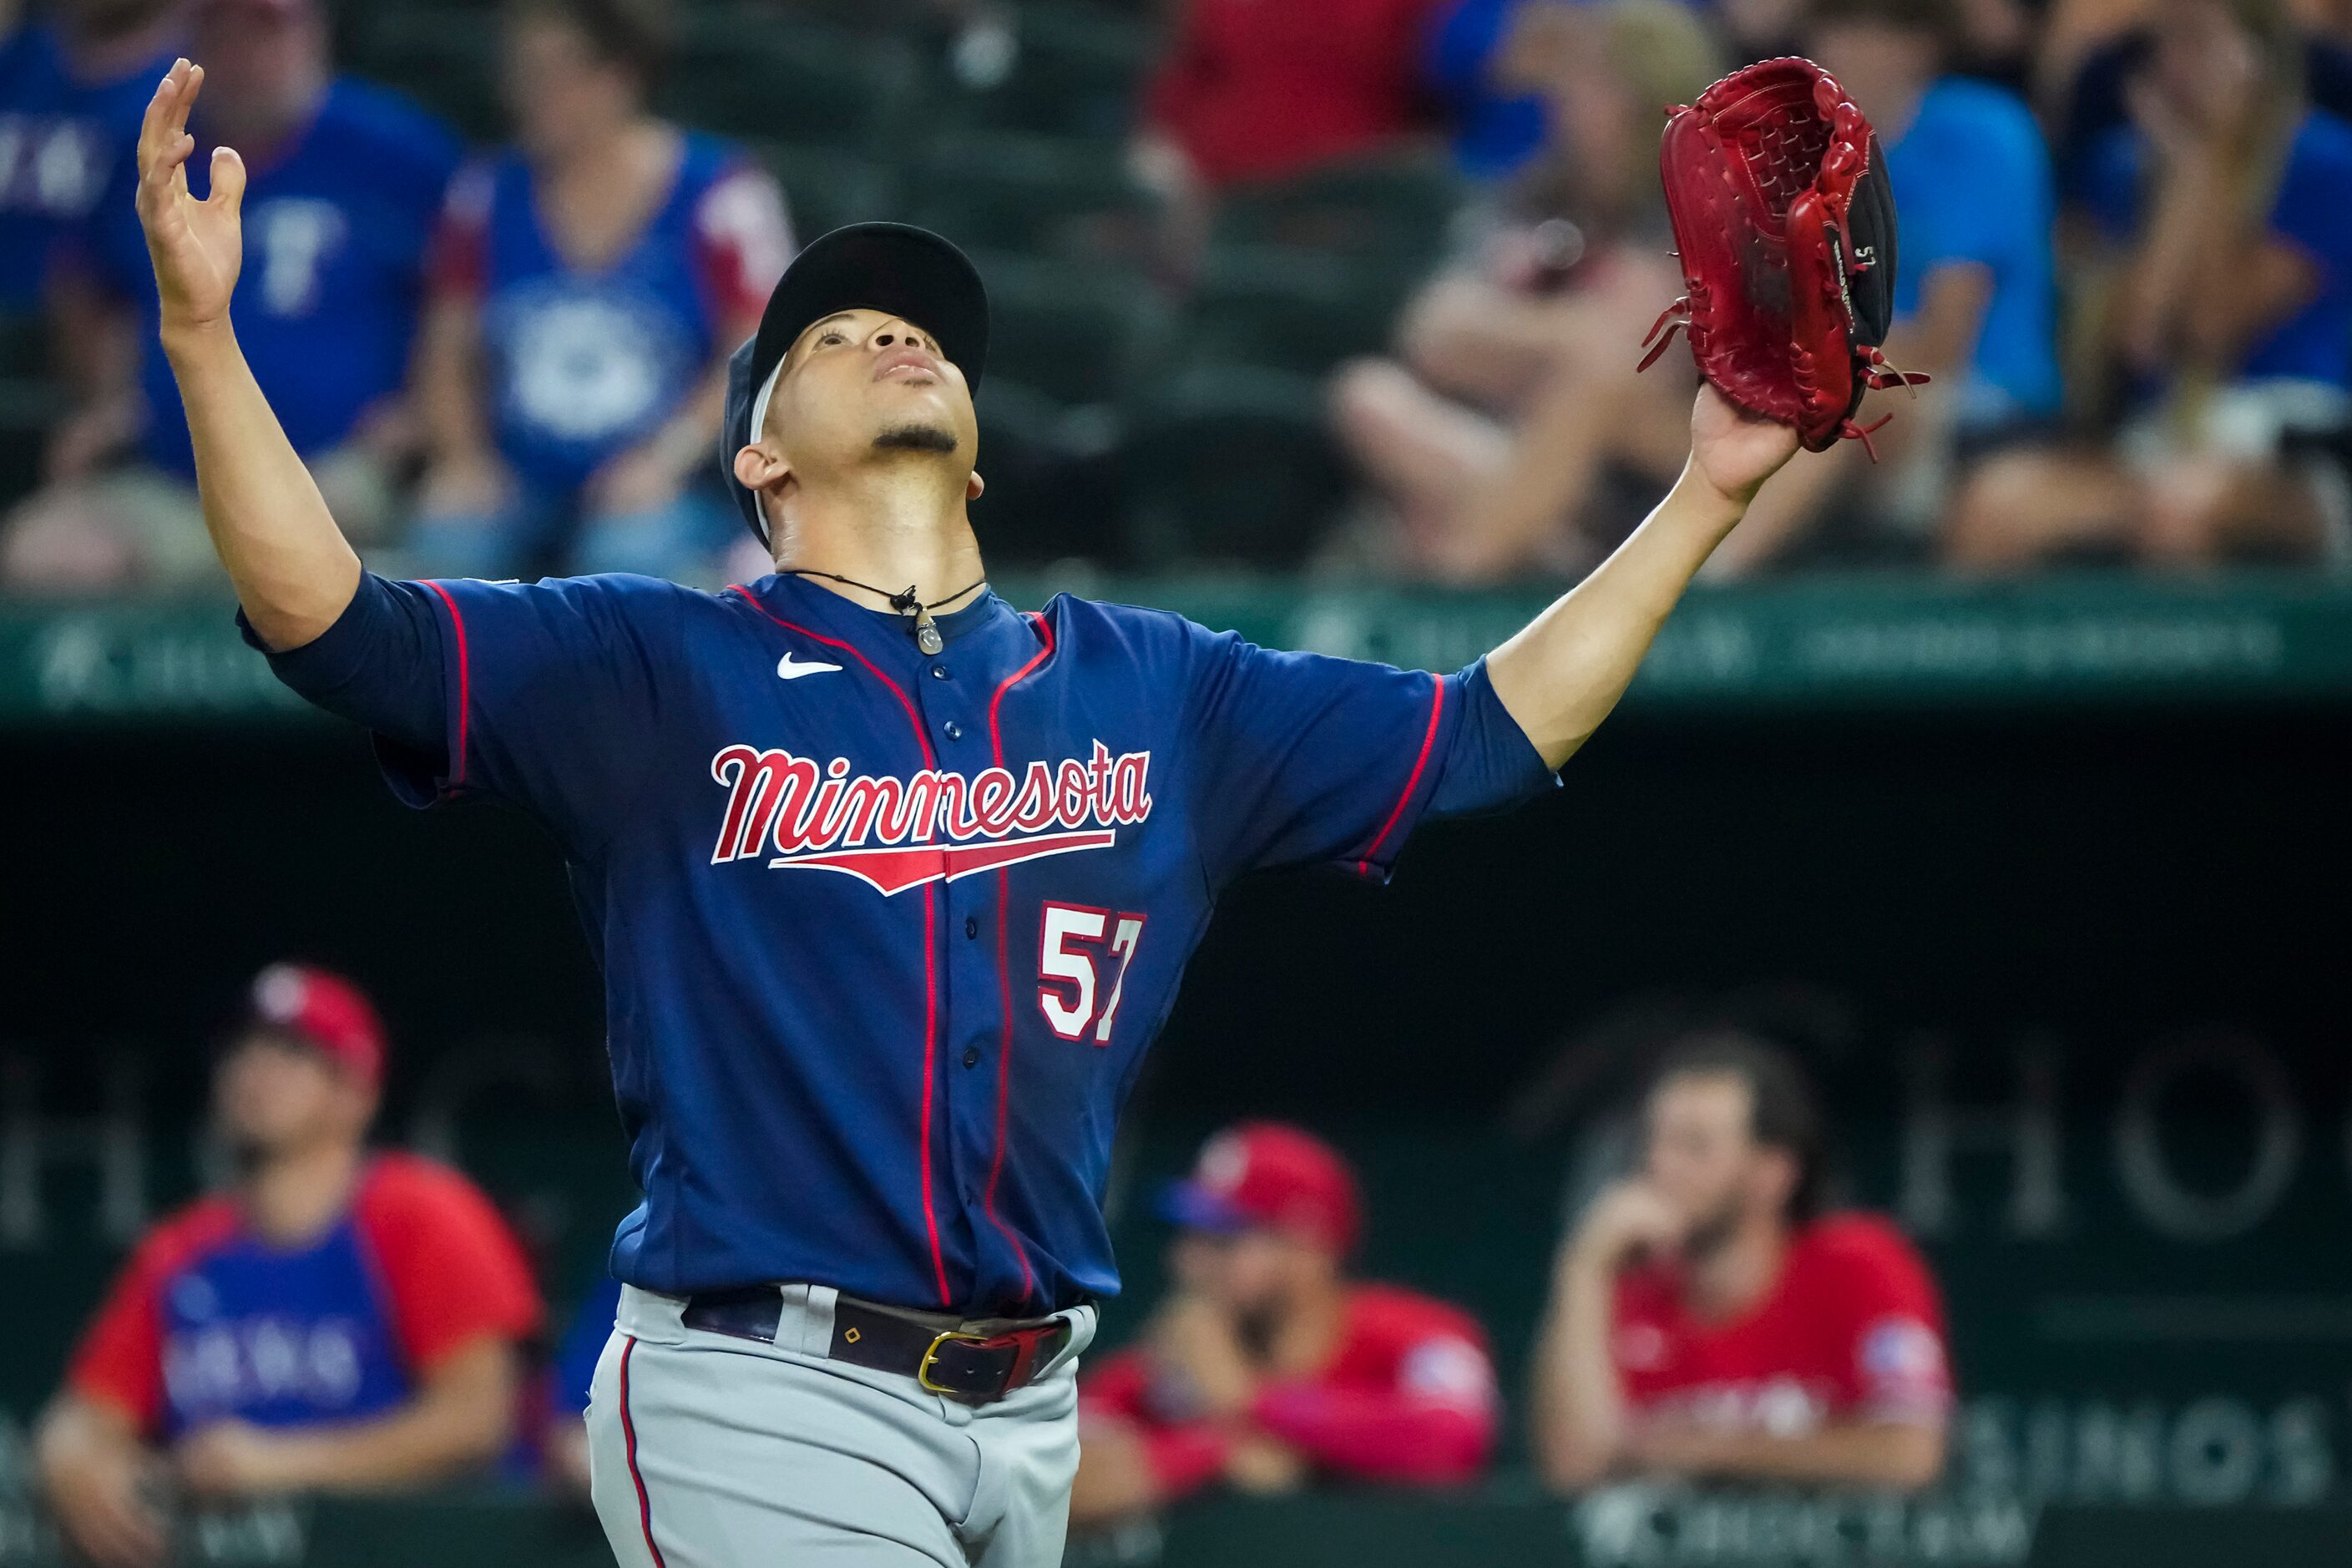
(954, 730)
(971, 925)
(972, 1056)
(939, 672)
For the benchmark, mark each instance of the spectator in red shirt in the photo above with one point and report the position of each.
(336, 1320)
(1257, 90)
(1269, 1365)
(1704, 1322)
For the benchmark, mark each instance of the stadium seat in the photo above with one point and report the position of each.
(1076, 332)
(1232, 465)
(1053, 70)
(1051, 491)
(792, 81)
(444, 56)
(825, 189)
(1298, 311)
(1395, 212)
(1032, 194)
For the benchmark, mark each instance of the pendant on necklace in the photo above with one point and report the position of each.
(927, 635)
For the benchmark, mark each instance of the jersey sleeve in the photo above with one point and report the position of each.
(1184, 1457)
(1305, 758)
(457, 262)
(1435, 1425)
(1892, 1319)
(741, 241)
(120, 1361)
(453, 1270)
(541, 693)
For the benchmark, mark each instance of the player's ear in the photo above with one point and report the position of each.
(975, 487)
(758, 469)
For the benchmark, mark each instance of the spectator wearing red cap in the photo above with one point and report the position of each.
(337, 1320)
(1269, 1365)
(1706, 1322)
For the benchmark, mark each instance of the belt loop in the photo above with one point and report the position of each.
(815, 1318)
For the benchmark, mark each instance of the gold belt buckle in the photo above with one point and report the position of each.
(923, 1372)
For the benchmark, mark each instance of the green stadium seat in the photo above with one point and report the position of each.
(1054, 70)
(1078, 333)
(1230, 465)
(1072, 200)
(792, 81)
(1298, 311)
(825, 188)
(1051, 491)
(444, 56)
(1392, 212)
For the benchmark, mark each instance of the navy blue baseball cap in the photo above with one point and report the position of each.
(894, 268)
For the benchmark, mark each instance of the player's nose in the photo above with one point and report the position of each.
(899, 334)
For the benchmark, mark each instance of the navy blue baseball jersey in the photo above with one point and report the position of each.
(885, 935)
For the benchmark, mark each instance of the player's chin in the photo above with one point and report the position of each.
(936, 437)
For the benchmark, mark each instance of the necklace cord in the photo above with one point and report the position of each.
(905, 604)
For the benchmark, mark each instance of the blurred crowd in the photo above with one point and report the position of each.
(338, 1317)
(1354, 286)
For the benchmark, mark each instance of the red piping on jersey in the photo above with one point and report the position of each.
(629, 1438)
(1003, 973)
(1428, 740)
(465, 685)
(931, 932)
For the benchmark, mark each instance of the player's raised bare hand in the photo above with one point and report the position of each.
(197, 246)
(1736, 451)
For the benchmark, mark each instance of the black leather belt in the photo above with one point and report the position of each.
(975, 1365)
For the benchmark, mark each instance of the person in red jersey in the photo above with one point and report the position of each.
(1254, 92)
(1269, 1365)
(337, 1320)
(1706, 1322)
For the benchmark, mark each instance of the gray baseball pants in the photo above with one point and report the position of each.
(710, 1451)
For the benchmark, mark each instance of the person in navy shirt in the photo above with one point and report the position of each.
(1975, 289)
(891, 884)
(72, 91)
(588, 283)
(336, 1320)
(2219, 223)
(346, 180)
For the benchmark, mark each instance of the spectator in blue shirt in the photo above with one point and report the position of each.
(345, 181)
(2220, 224)
(73, 90)
(582, 1346)
(1975, 302)
(588, 285)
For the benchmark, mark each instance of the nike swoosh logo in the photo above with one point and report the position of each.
(787, 670)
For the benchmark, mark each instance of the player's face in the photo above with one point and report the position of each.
(272, 1095)
(1255, 1274)
(254, 53)
(1880, 63)
(562, 93)
(862, 383)
(1701, 1152)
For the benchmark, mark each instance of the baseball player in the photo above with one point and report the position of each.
(891, 885)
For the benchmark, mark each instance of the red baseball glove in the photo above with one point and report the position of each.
(1785, 226)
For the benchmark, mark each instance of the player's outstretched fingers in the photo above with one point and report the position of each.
(165, 144)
